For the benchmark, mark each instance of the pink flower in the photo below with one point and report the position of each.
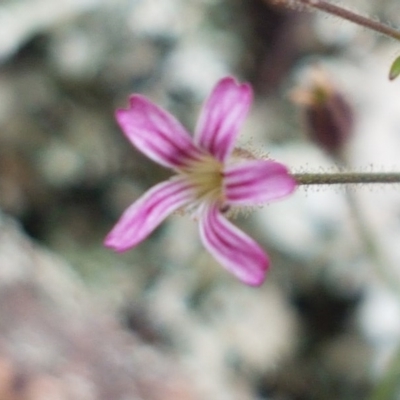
(209, 177)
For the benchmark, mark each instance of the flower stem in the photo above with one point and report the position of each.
(346, 178)
(358, 19)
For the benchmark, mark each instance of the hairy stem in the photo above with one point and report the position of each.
(344, 13)
(346, 178)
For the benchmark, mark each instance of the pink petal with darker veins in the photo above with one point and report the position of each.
(156, 133)
(256, 182)
(232, 248)
(222, 117)
(143, 216)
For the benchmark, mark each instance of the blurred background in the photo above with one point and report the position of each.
(164, 320)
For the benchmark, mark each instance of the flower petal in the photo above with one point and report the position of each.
(222, 116)
(256, 182)
(156, 133)
(231, 247)
(143, 216)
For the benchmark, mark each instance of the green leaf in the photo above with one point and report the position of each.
(395, 69)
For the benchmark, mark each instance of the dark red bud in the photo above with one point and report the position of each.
(328, 114)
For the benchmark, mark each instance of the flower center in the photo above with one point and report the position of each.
(207, 177)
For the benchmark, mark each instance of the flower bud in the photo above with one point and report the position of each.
(328, 115)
